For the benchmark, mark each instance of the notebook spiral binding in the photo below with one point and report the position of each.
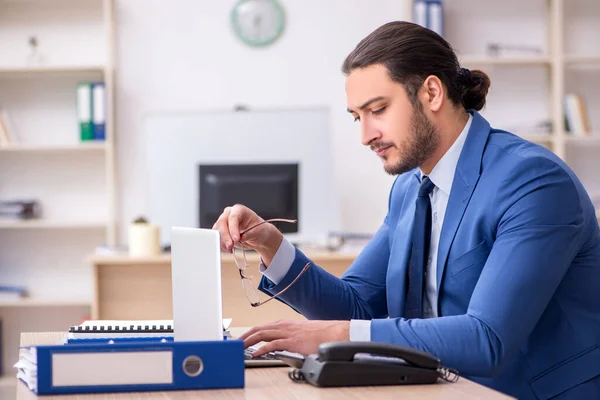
(121, 329)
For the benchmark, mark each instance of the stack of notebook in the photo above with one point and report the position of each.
(27, 367)
(124, 330)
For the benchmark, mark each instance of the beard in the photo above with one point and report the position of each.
(422, 141)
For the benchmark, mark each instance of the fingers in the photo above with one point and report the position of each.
(223, 227)
(234, 222)
(264, 336)
(249, 332)
(280, 344)
(270, 326)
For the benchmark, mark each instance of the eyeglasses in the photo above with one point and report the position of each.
(239, 256)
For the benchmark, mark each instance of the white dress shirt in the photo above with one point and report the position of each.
(442, 177)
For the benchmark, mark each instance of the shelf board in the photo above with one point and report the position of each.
(52, 69)
(80, 147)
(504, 60)
(582, 59)
(538, 137)
(50, 224)
(41, 302)
(593, 138)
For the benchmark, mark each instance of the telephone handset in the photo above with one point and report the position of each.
(369, 363)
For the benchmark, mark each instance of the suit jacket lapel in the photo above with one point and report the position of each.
(466, 176)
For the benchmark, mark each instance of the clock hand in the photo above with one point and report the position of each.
(257, 25)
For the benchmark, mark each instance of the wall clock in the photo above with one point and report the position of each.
(258, 22)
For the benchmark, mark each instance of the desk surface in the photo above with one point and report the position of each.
(273, 383)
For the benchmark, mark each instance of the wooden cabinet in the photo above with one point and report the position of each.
(140, 288)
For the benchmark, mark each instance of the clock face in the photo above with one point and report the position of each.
(257, 22)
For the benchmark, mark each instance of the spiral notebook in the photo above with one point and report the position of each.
(121, 330)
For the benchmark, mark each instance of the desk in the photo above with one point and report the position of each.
(273, 383)
(140, 287)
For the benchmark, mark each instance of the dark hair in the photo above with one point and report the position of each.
(411, 53)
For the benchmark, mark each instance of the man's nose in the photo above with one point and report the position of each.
(368, 134)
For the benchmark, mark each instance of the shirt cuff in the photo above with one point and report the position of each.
(281, 263)
(360, 330)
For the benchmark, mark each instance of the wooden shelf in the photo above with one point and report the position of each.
(489, 60)
(593, 138)
(582, 59)
(52, 69)
(80, 147)
(41, 302)
(49, 224)
(538, 137)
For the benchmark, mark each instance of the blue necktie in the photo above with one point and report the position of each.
(420, 251)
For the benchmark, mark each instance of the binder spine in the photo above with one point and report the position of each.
(193, 365)
(84, 111)
(99, 111)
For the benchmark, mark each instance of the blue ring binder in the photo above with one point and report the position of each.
(66, 369)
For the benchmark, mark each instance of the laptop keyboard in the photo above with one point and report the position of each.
(248, 355)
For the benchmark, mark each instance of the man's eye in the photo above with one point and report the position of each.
(379, 111)
(356, 118)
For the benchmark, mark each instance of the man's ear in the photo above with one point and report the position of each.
(433, 93)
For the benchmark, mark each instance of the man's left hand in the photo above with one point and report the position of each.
(302, 337)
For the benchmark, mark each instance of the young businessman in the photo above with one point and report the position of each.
(489, 255)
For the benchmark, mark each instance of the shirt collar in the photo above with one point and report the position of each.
(442, 174)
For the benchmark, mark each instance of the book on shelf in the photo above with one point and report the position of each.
(99, 110)
(8, 135)
(19, 209)
(12, 293)
(576, 116)
(91, 111)
(84, 111)
(429, 14)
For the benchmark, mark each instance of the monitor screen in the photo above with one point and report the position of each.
(271, 190)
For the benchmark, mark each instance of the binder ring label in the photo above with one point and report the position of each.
(193, 366)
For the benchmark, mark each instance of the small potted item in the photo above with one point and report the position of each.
(144, 238)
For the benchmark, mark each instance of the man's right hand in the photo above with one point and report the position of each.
(265, 239)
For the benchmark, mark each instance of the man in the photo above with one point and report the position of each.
(489, 255)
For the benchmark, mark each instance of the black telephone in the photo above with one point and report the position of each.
(368, 363)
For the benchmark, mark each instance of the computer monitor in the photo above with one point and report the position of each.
(271, 190)
(176, 144)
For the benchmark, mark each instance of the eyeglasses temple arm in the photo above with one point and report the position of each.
(288, 286)
(265, 221)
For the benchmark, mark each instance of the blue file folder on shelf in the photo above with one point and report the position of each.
(99, 110)
(135, 366)
(429, 14)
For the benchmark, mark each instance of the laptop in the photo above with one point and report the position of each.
(196, 287)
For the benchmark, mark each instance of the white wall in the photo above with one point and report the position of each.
(182, 55)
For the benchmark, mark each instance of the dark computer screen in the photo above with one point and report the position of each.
(271, 190)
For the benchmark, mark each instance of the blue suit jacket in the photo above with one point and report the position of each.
(518, 273)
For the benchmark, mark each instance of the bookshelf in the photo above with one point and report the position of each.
(554, 52)
(477, 61)
(41, 302)
(63, 148)
(73, 180)
(49, 224)
(15, 71)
